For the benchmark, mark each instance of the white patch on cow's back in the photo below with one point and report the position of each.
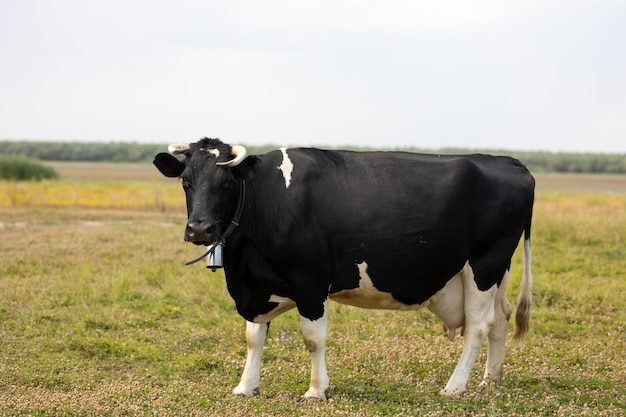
(286, 167)
(368, 296)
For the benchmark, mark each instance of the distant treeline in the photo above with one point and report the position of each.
(136, 152)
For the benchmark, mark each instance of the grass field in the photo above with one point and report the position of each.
(99, 315)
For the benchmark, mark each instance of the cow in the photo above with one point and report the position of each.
(378, 230)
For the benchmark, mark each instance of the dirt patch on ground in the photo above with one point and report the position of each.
(585, 183)
(107, 170)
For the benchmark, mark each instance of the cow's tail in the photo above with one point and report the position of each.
(522, 316)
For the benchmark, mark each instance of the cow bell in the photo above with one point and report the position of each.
(214, 259)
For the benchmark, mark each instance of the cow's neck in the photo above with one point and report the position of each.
(241, 201)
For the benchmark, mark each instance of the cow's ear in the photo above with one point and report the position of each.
(247, 168)
(168, 164)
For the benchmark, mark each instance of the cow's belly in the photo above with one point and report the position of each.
(446, 303)
(372, 300)
(368, 296)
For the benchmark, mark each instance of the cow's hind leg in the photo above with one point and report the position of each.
(256, 334)
(315, 333)
(497, 335)
(479, 317)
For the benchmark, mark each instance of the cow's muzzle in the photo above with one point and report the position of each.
(200, 232)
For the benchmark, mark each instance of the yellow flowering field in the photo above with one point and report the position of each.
(144, 195)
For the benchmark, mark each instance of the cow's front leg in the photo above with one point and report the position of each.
(255, 340)
(315, 332)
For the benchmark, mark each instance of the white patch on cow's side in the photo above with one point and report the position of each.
(284, 304)
(286, 167)
(280, 300)
(368, 296)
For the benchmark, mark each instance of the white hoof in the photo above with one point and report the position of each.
(453, 392)
(243, 391)
(316, 395)
(490, 382)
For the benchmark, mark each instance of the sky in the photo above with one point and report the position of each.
(546, 75)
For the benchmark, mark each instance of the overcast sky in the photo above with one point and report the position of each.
(523, 75)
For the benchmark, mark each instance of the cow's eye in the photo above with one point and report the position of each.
(186, 183)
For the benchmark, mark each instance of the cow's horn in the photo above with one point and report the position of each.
(178, 148)
(239, 153)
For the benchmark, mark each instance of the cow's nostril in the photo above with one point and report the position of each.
(191, 228)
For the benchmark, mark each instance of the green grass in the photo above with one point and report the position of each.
(99, 316)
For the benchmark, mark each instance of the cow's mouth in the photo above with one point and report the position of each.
(203, 240)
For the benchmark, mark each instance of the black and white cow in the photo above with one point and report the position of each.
(384, 230)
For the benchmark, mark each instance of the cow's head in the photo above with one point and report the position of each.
(209, 172)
